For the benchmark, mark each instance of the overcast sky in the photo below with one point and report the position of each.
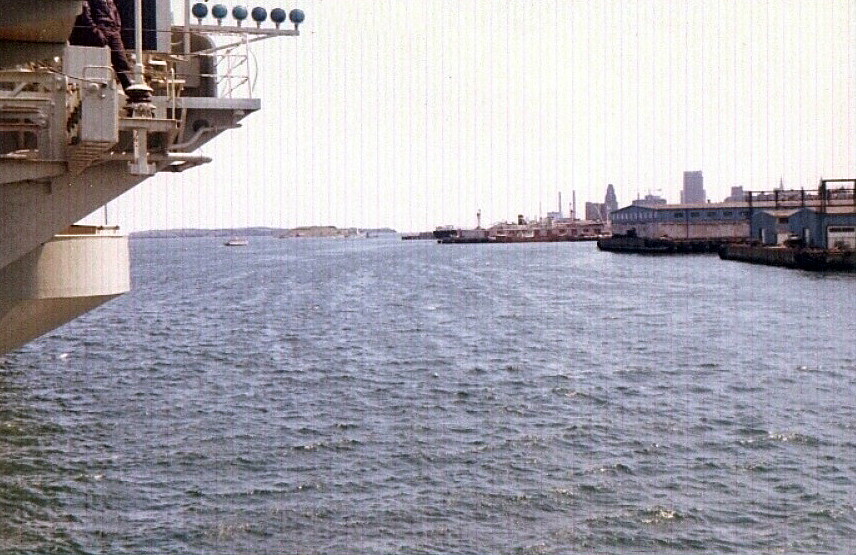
(413, 114)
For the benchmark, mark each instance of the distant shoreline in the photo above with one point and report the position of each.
(232, 232)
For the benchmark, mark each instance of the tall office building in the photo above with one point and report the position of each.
(600, 211)
(609, 200)
(693, 192)
(595, 211)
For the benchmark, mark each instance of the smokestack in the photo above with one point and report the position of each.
(560, 204)
(574, 205)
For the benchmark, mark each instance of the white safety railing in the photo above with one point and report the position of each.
(232, 73)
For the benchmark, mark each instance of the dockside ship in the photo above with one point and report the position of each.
(545, 230)
(71, 140)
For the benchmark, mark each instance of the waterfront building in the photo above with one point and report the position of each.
(684, 221)
(819, 217)
(693, 192)
(833, 227)
(564, 229)
(523, 231)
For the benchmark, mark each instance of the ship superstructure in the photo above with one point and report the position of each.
(70, 140)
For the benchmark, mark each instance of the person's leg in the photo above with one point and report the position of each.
(118, 58)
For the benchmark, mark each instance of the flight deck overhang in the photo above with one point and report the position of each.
(246, 105)
(35, 29)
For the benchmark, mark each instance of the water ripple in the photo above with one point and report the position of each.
(388, 397)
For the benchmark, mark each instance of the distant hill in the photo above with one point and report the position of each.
(243, 232)
(226, 232)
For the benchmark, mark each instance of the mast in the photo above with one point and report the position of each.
(138, 41)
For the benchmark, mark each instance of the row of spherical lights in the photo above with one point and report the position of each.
(259, 15)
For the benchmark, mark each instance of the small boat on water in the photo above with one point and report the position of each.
(237, 242)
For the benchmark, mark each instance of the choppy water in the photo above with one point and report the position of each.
(381, 396)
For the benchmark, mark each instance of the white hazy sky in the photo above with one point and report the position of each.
(413, 114)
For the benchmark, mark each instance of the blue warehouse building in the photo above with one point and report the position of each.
(824, 218)
(707, 221)
(833, 227)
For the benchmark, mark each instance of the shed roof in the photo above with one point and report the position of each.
(691, 206)
(845, 205)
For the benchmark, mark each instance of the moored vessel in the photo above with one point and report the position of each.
(545, 230)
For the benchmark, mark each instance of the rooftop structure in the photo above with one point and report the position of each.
(649, 200)
(737, 195)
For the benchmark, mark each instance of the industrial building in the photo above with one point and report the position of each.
(684, 221)
(832, 228)
(821, 217)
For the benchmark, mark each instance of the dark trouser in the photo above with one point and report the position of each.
(117, 56)
(85, 33)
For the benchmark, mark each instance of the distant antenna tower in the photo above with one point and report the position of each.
(478, 219)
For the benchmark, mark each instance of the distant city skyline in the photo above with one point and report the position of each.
(416, 115)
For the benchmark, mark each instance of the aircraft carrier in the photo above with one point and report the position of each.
(71, 140)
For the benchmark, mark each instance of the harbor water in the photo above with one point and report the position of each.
(377, 396)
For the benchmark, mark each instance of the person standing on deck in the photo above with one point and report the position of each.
(100, 25)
